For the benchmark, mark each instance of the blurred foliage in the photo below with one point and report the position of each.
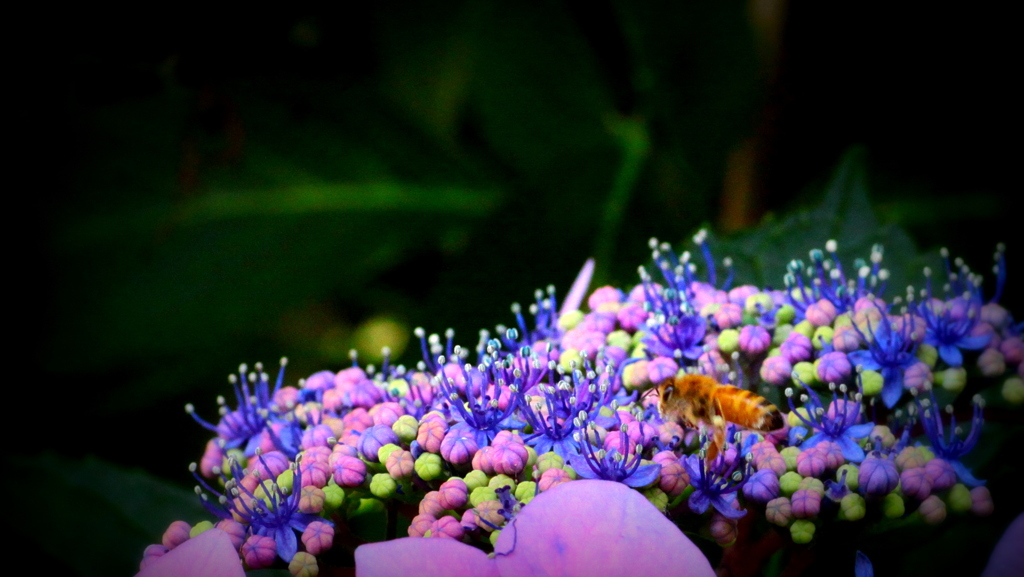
(233, 188)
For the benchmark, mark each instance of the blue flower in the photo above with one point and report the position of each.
(243, 425)
(716, 482)
(949, 327)
(890, 352)
(613, 465)
(826, 280)
(562, 410)
(946, 441)
(838, 424)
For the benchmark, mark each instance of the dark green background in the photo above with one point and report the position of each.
(223, 188)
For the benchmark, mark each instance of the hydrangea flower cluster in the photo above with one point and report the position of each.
(462, 443)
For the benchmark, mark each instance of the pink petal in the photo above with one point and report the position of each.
(1008, 557)
(208, 554)
(423, 558)
(592, 527)
(574, 299)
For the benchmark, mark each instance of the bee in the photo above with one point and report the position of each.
(699, 401)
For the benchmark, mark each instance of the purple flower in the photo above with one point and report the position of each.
(578, 528)
(762, 486)
(715, 483)
(890, 351)
(877, 475)
(950, 446)
(208, 554)
(950, 326)
(612, 465)
(825, 280)
(838, 424)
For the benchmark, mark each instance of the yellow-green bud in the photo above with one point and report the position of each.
(789, 482)
(805, 328)
(774, 352)
(893, 506)
(475, 478)
(334, 497)
(570, 319)
(428, 466)
(385, 451)
(286, 479)
(780, 334)
(729, 340)
(872, 382)
(481, 494)
(851, 475)
(199, 528)
(531, 457)
(812, 484)
(568, 358)
(368, 507)
(1013, 390)
(406, 427)
(526, 491)
(763, 299)
(620, 339)
(842, 320)
(852, 507)
(657, 497)
(785, 314)
(806, 372)
(802, 531)
(959, 498)
(398, 387)
(789, 455)
(952, 379)
(822, 334)
(551, 459)
(493, 537)
(927, 354)
(570, 471)
(794, 418)
(383, 486)
(499, 481)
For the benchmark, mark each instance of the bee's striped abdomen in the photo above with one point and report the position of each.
(748, 409)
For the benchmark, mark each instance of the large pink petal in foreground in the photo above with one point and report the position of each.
(1007, 558)
(423, 557)
(208, 554)
(592, 527)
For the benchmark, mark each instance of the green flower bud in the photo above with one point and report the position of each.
(851, 475)
(334, 497)
(428, 466)
(927, 354)
(499, 481)
(531, 457)
(729, 340)
(493, 537)
(812, 484)
(657, 497)
(474, 479)
(570, 471)
(785, 315)
(822, 334)
(398, 387)
(481, 494)
(286, 479)
(926, 453)
(199, 528)
(884, 433)
(794, 417)
(551, 459)
(789, 455)
(385, 451)
(620, 339)
(383, 486)
(805, 328)
(872, 382)
(789, 482)
(406, 427)
(368, 507)
(802, 531)
(774, 352)
(893, 506)
(852, 507)
(526, 491)
(570, 319)
(1013, 390)
(959, 498)
(780, 334)
(952, 379)
(843, 320)
(568, 357)
(807, 372)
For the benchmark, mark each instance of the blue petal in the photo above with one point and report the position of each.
(643, 476)
(973, 343)
(859, 431)
(813, 440)
(582, 467)
(864, 359)
(724, 506)
(951, 355)
(863, 567)
(892, 390)
(852, 452)
(795, 434)
(965, 474)
(699, 501)
(286, 543)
